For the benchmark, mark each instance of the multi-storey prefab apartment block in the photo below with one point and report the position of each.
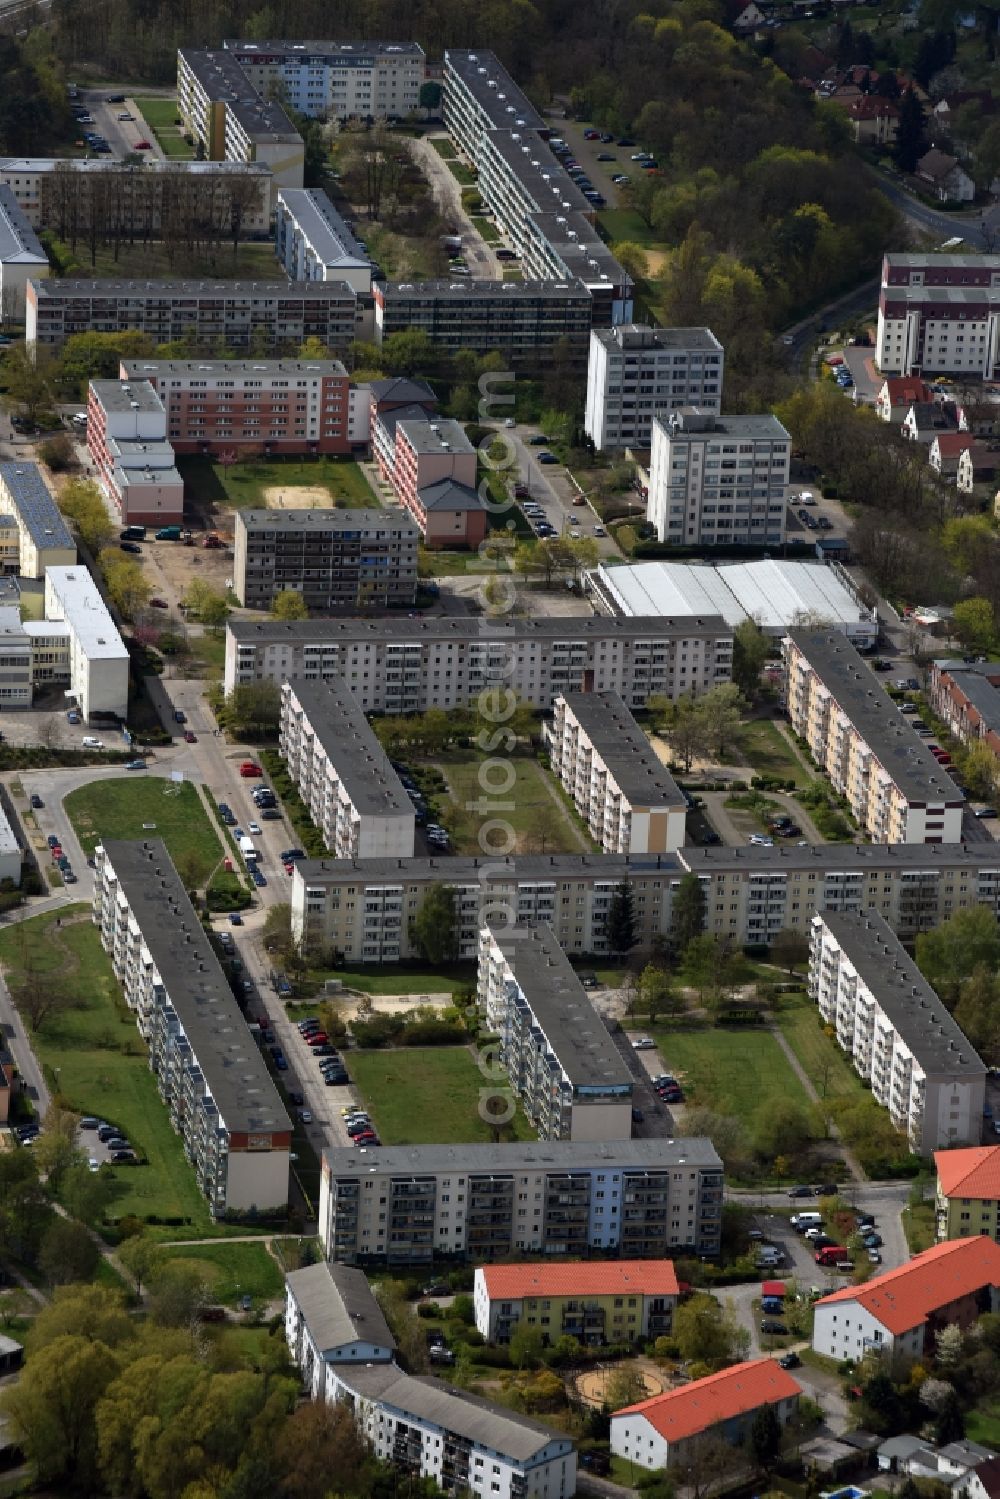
(208, 1068)
(231, 121)
(622, 790)
(554, 1047)
(343, 774)
(336, 80)
(897, 791)
(336, 559)
(127, 439)
(313, 243)
(635, 372)
(41, 538)
(718, 480)
(408, 665)
(90, 651)
(903, 1041)
(406, 1205)
(939, 314)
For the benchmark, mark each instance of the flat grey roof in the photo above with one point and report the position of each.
(543, 1155)
(716, 427)
(844, 858)
(492, 87)
(39, 514)
(455, 1411)
(860, 695)
(363, 523)
(960, 296)
(316, 218)
(470, 290)
(915, 1010)
(238, 369)
(629, 336)
(334, 53)
(198, 990)
(927, 260)
(526, 157)
(435, 435)
(338, 1306)
(222, 78)
(561, 1008)
(351, 746)
(12, 165)
(19, 244)
(69, 287)
(641, 776)
(127, 395)
(576, 244)
(573, 631)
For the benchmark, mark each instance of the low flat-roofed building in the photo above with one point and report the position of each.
(597, 1301)
(554, 1047)
(343, 774)
(332, 1317)
(98, 658)
(313, 243)
(902, 1039)
(44, 539)
(21, 256)
(896, 789)
(15, 651)
(336, 559)
(620, 787)
(209, 1069)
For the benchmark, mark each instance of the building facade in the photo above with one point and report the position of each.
(21, 256)
(313, 243)
(898, 1313)
(127, 439)
(898, 1032)
(718, 481)
(434, 470)
(967, 1201)
(364, 907)
(267, 406)
(562, 1065)
(635, 372)
(402, 1205)
(336, 80)
(343, 774)
(664, 1432)
(208, 1068)
(897, 791)
(40, 538)
(240, 314)
(596, 1302)
(231, 121)
(939, 314)
(98, 660)
(622, 790)
(336, 559)
(407, 666)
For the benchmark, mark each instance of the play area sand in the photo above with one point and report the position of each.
(301, 497)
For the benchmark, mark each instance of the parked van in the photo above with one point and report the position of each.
(247, 848)
(834, 1254)
(801, 1221)
(768, 1258)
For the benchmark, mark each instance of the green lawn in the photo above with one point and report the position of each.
(533, 808)
(444, 148)
(822, 1060)
(769, 752)
(233, 1270)
(245, 483)
(96, 1059)
(161, 117)
(487, 228)
(920, 1226)
(982, 1424)
(625, 223)
(424, 1095)
(402, 980)
(463, 174)
(251, 262)
(731, 1070)
(121, 807)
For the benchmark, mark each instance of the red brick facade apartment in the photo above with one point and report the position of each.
(268, 406)
(966, 695)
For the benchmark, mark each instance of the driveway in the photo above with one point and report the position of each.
(447, 191)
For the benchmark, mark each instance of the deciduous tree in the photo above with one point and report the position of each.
(289, 604)
(434, 928)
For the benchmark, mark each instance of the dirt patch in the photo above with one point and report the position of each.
(655, 261)
(301, 497)
(591, 1385)
(172, 567)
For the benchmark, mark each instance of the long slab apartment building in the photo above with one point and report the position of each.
(336, 559)
(897, 791)
(622, 790)
(939, 314)
(238, 314)
(642, 1199)
(363, 907)
(899, 1033)
(561, 1062)
(343, 774)
(407, 666)
(208, 1068)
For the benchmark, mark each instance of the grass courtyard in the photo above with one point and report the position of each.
(94, 1057)
(254, 262)
(233, 1270)
(140, 806)
(542, 819)
(732, 1070)
(819, 1056)
(769, 753)
(428, 1095)
(161, 117)
(247, 483)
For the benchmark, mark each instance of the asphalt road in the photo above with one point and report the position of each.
(121, 135)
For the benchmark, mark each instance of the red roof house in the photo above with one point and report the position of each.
(597, 1301)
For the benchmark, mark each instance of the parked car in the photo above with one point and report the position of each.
(789, 1360)
(773, 1329)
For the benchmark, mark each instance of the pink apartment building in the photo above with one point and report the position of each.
(434, 475)
(126, 436)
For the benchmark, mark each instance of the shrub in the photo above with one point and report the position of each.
(58, 453)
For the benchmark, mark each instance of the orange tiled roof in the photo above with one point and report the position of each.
(970, 1173)
(954, 442)
(905, 1297)
(704, 1403)
(589, 1278)
(907, 388)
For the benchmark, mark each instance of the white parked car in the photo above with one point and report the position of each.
(760, 840)
(643, 1043)
(807, 497)
(253, 828)
(91, 743)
